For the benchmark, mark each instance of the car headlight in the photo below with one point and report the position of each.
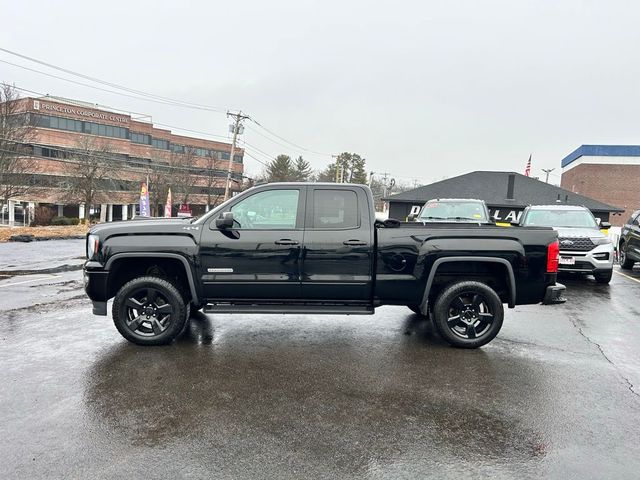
(601, 240)
(93, 244)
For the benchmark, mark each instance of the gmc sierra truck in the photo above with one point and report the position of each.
(314, 248)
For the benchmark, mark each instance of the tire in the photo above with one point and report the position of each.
(468, 314)
(625, 261)
(604, 277)
(149, 311)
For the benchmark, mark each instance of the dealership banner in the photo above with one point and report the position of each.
(167, 207)
(144, 201)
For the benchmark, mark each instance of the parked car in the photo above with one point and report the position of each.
(583, 247)
(629, 243)
(453, 210)
(314, 248)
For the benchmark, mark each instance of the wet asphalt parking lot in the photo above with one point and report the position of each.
(555, 395)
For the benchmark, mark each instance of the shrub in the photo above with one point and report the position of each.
(64, 221)
(43, 215)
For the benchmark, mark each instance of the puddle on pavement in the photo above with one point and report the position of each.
(6, 274)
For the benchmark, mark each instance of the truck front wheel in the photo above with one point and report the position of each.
(149, 311)
(468, 314)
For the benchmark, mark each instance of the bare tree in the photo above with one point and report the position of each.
(16, 162)
(159, 181)
(88, 168)
(183, 176)
(211, 181)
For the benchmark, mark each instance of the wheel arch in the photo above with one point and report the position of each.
(508, 268)
(120, 272)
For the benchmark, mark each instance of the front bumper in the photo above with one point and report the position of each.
(554, 294)
(95, 286)
(600, 259)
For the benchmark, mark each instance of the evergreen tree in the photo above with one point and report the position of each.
(302, 170)
(281, 170)
(352, 167)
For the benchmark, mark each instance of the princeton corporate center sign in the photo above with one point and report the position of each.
(39, 105)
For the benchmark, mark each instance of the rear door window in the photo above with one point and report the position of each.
(335, 209)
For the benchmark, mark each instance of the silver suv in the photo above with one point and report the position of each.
(583, 247)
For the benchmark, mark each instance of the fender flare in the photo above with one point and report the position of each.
(511, 279)
(175, 256)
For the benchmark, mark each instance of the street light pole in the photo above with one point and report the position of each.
(547, 171)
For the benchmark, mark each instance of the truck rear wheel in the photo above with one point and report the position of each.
(149, 311)
(468, 314)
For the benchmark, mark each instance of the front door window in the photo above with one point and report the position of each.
(270, 210)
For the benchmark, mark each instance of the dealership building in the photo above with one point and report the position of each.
(133, 146)
(505, 193)
(609, 173)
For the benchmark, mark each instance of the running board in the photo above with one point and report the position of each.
(300, 309)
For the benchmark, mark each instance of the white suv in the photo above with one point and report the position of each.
(583, 247)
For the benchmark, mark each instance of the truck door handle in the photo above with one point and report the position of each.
(354, 243)
(287, 241)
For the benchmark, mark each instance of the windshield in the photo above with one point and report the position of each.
(560, 218)
(461, 211)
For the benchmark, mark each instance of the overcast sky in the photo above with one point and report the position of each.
(422, 89)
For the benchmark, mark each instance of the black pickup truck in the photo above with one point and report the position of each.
(310, 248)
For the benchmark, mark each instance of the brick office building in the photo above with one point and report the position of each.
(134, 148)
(609, 173)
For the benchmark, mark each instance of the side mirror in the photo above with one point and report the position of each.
(224, 221)
(605, 225)
(412, 217)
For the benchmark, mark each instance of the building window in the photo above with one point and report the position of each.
(140, 138)
(237, 159)
(177, 148)
(203, 152)
(161, 144)
(60, 123)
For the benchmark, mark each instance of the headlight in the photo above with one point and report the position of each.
(93, 244)
(601, 240)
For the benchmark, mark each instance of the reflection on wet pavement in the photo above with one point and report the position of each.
(259, 396)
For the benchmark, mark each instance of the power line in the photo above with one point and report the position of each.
(93, 86)
(147, 96)
(324, 154)
(114, 85)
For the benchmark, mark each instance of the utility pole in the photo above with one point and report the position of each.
(236, 126)
(338, 180)
(547, 171)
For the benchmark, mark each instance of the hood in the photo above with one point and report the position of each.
(151, 225)
(578, 232)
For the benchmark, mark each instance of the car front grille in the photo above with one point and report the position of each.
(576, 244)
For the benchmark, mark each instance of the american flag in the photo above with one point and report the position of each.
(527, 170)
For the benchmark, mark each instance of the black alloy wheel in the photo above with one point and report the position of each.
(468, 314)
(149, 311)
